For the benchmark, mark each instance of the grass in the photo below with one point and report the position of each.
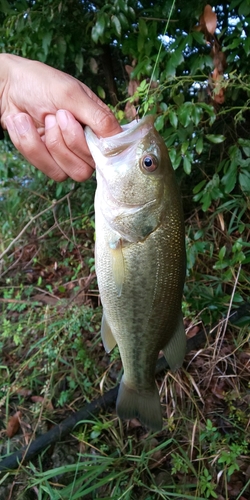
(53, 362)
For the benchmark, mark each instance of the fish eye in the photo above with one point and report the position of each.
(149, 163)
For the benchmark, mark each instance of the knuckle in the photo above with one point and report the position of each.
(58, 176)
(104, 118)
(81, 173)
(53, 142)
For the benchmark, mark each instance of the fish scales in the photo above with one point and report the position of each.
(140, 261)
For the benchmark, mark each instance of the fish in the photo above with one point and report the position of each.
(140, 261)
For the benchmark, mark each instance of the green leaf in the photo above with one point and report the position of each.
(101, 92)
(132, 13)
(159, 122)
(5, 7)
(247, 46)
(100, 25)
(244, 8)
(244, 180)
(178, 99)
(175, 158)
(117, 25)
(246, 150)
(199, 186)
(143, 87)
(234, 4)
(198, 37)
(184, 114)
(46, 42)
(234, 44)
(216, 139)
(187, 165)
(197, 113)
(123, 20)
(94, 34)
(229, 180)
(143, 29)
(140, 43)
(222, 252)
(176, 58)
(184, 147)
(79, 61)
(173, 118)
(199, 145)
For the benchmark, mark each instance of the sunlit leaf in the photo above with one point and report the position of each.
(199, 145)
(117, 25)
(101, 92)
(187, 165)
(216, 139)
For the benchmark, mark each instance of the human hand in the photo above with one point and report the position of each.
(43, 109)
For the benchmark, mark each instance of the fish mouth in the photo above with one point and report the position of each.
(131, 133)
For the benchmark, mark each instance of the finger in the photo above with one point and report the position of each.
(74, 136)
(26, 139)
(77, 167)
(90, 110)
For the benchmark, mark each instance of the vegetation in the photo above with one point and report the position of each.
(190, 68)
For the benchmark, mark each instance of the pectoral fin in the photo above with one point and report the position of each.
(117, 265)
(109, 341)
(175, 350)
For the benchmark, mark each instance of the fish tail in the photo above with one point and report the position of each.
(144, 406)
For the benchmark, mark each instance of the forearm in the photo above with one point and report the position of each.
(5, 61)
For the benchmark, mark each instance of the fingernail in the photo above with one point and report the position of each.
(19, 122)
(62, 119)
(50, 121)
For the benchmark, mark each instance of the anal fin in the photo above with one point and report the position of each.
(175, 350)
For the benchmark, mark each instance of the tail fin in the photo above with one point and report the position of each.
(144, 406)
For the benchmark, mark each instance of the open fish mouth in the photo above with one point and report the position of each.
(132, 133)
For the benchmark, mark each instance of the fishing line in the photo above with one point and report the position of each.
(159, 51)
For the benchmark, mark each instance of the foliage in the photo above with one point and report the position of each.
(145, 57)
(208, 142)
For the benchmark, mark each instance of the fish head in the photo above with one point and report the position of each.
(134, 174)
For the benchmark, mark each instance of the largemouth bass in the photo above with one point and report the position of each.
(140, 261)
